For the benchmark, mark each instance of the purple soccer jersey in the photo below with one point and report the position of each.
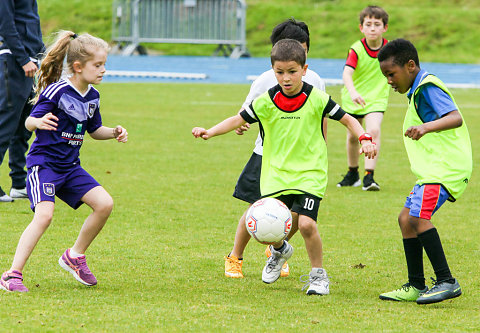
(77, 113)
(53, 160)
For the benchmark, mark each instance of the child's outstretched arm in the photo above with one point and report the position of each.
(48, 122)
(451, 120)
(348, 82)
(105, 133)
(223, 127)
(369, 148)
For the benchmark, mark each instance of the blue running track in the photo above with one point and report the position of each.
(226, 70)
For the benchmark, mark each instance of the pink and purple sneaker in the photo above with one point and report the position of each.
(77, 266)
(12, 281)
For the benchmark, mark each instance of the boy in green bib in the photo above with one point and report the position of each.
(295, 164)
(438, 147)
(365, 93)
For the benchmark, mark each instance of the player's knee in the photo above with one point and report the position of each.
(307, 228)
(105, 206)
(413, 222)
(375, 133)
(352, 139)
(43, 219)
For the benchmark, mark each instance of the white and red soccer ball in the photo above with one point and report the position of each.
(268, 221)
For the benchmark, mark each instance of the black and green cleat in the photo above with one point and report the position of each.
(440, 292)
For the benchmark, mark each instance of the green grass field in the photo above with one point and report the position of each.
(159, 260)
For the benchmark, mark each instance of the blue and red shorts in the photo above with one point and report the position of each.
(425, 200)
(43, 184)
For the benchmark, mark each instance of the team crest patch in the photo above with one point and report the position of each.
(49, 189)
(91, 109)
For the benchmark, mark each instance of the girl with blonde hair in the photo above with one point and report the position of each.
(65, 108)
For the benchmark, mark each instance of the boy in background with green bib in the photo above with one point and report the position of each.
(294, 162)
(365, 94)
(438, 147)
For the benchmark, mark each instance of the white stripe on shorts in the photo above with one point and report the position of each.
(34, 185)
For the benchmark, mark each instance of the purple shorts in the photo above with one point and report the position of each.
(425, 200)
(43, 184)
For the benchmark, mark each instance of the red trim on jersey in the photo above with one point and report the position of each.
(370, 52)
(352, 59)
(431, 194)
(287, 103)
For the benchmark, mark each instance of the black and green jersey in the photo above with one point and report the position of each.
(294, 148)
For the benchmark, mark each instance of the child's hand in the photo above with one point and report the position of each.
(242, 129)
(415, 132)
(48, 122)
(200, 132)
(120, 134)
(357, 99)
(369, 148)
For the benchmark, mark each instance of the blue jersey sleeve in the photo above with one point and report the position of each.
(95, 122)
(433, 103)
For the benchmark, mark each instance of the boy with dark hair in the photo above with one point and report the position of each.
(365, 94)
(294, 165)
(438, 147)
(248, 185)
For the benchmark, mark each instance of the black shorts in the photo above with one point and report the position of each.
(248, 184)
(303, 204)
(361, 116)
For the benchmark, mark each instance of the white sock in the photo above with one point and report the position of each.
(75, 254)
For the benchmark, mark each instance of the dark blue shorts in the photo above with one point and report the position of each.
(43, 184)
(425, 200)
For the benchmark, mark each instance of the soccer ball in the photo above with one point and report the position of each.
(268, 221)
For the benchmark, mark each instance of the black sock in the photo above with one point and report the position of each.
(237, 258)
(353, 169)
(367, 171)
(414, 255)
(433, 247)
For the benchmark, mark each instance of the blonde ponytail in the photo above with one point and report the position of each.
(52, 64)
(75, 48)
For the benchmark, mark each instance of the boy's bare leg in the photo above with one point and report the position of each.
(373, 122)
(317, 282)
(313, 241)
(242, 237)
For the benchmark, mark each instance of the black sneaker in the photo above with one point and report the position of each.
(440, 292)
(369, 184)
(4, 197)
(350, 179)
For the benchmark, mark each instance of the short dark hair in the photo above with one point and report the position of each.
(376, 12)
(288, 50)
(401, 50)
(291, 29)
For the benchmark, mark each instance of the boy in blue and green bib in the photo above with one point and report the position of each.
(438, 147)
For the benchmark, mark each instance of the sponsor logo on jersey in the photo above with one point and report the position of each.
(71, 107)
(79, 128)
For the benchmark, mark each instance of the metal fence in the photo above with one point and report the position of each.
(220, 22)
